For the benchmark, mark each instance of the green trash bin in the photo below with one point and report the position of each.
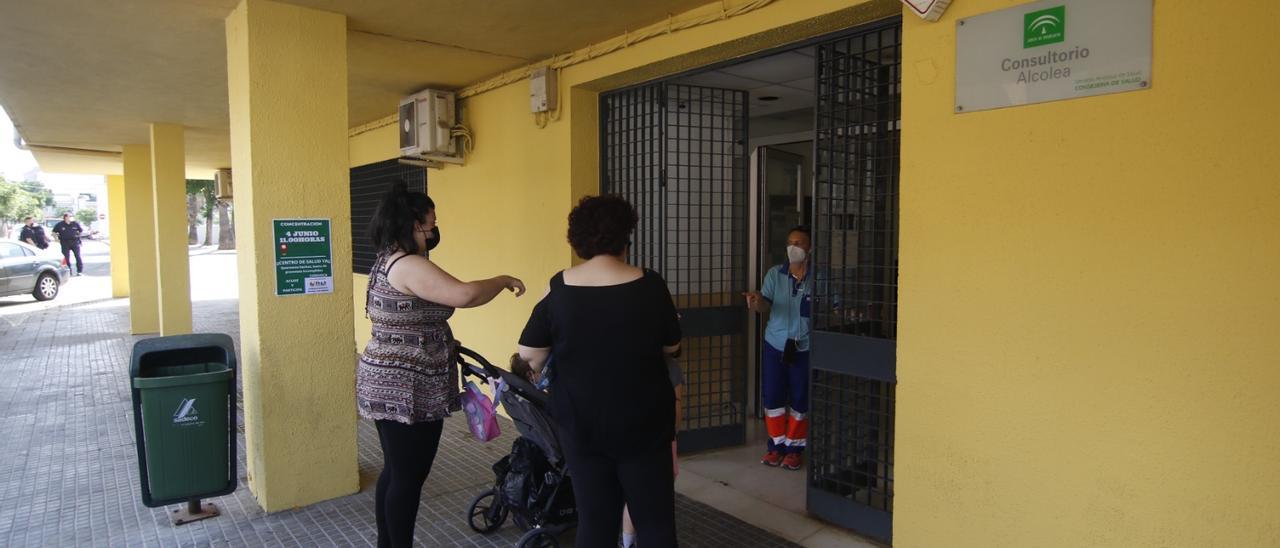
(184, 417)
(184, 424)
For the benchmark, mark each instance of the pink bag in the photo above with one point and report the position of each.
(481, 414)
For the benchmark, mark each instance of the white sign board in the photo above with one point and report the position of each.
(1052, 50)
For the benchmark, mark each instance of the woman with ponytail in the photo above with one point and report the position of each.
(406, 379)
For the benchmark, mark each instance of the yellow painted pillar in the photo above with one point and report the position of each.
(144, 298)
(287, 87)
(116, 221)
(169, 188)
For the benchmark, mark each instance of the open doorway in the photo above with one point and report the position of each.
(779, 110)
(721, 163)
(779, 91)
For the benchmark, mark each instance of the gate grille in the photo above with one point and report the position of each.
(678, 154)
(856, 213)
(706, 253)
(631, 146)
(369, 183)
(863, 442)
(853, 384)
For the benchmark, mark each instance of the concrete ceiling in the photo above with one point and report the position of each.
(775, 84)
(84, 74)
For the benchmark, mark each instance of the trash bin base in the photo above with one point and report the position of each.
(193, 511)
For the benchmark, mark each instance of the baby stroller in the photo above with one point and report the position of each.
(531, 484)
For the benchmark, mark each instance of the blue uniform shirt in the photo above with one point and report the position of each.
(792, 306)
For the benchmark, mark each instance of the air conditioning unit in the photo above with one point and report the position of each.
(222, 184)
(427, 119)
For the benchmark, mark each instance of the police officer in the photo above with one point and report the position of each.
(33, 234)
(68, 231)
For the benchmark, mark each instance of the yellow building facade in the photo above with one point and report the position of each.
(1087, 294)
(1087, 286)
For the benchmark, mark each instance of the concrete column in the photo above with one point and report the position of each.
(144, 297)
(169, 189)
(116, 220)
(287, 87)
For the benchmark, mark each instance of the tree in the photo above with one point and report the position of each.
(209, 204)
(87, 216)
(226, 226)
(197, 190)
(193, 219)
(17, 203)
(10, 194)
(36, 188)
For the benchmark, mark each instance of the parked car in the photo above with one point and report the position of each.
(25, 269)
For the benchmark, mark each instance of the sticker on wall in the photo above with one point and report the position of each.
(1052, 50)
(304, 256)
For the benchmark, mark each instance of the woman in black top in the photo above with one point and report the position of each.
(609, 325)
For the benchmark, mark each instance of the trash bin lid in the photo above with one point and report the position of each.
(199, 374)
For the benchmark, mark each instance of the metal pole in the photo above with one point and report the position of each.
(800, 194)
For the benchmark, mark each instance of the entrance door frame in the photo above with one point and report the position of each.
(753, 215)
(758, 223)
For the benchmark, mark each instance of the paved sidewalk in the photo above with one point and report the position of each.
(68, 473)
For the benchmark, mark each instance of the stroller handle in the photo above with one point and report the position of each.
(487, 370)
(483, 371)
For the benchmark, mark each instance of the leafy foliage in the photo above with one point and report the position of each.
(87, 216)
(17, 202)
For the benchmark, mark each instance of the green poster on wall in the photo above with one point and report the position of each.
(304, 256)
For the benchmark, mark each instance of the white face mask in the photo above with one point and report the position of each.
(796, 254)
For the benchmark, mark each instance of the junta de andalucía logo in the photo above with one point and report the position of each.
(1047, 26)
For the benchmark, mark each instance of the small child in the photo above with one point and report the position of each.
(677, 383)
(520, 367)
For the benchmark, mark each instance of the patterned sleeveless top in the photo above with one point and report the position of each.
(408, 371)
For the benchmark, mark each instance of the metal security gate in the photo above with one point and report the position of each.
(369, 183)
(854, 370)
(678, 153)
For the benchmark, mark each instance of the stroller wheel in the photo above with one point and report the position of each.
(486, 513)
(538, 538)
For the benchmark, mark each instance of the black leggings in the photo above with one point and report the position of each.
(644, 482)
(407, 453)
